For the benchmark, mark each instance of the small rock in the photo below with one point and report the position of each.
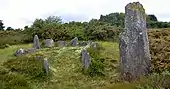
(83, 43)
(49, 43)
(19, 52)
(61, 43)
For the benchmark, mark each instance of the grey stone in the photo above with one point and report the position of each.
(83, 43)
(74, 42)
(133, 43)
(48, 42)
(19, 52)
(85, 58)
(31, 50)
(46, 66)
(36, 43)
(61, 43)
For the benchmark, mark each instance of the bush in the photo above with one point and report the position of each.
(159, 43)
(29, 66)
(97, 62)
(156, 81)
(9, 80)
(13, 37)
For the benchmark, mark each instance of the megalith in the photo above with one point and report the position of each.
(61, 43)
(48, 42)
(46, 66)
(133, 44)
(85, 58)
(36, 43)
(74, 42)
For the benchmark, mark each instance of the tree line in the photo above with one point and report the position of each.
(107, 27)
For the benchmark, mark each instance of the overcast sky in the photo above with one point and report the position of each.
(19, 13)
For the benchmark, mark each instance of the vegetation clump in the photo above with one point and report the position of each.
(159, 43)
(97, 66)
(28, 66)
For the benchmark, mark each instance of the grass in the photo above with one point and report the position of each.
(66, 68)
(7, 53)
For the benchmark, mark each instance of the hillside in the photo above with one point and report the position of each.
(66, 68)
(66, 72)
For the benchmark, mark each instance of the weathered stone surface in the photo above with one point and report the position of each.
(46, 66)
(83, 43)
(86, 59)
(61, 43)
(19, 52)
(49, 43)
(133, 43)
(74, 42)
(31, 50)
(36, 44)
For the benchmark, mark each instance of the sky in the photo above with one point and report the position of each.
(19, 13)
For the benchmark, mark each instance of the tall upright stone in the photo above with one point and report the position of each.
(74, 42)
(36, 43)
(46, 66)
(133, 44)
(85, 58)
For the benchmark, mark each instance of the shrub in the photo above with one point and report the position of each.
(29, 66)
(159, 43)
(156, 81)
(97, 62)
(9, 80)
(13, 37)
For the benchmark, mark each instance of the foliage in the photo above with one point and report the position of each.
(10, 80)
(29, 66)
(152, 17)
(1, 25)
(97, 66)
(115, 19)
(9, 28)
(159, 43)
(153, 81)
(13, 37)
(156, 81)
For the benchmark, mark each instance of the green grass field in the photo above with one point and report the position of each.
(66, 68)
(7, 53)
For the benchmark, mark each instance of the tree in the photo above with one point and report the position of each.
(53, 19)
(9, 28)
(152, 18)
(1, 25)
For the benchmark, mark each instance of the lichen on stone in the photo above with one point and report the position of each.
(135, 6)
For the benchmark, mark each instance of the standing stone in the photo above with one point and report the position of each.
(46, 66)
(61, 43)
(133, 44)
(36, 44)
(49, 43)
(85, 56)
(74, 42)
